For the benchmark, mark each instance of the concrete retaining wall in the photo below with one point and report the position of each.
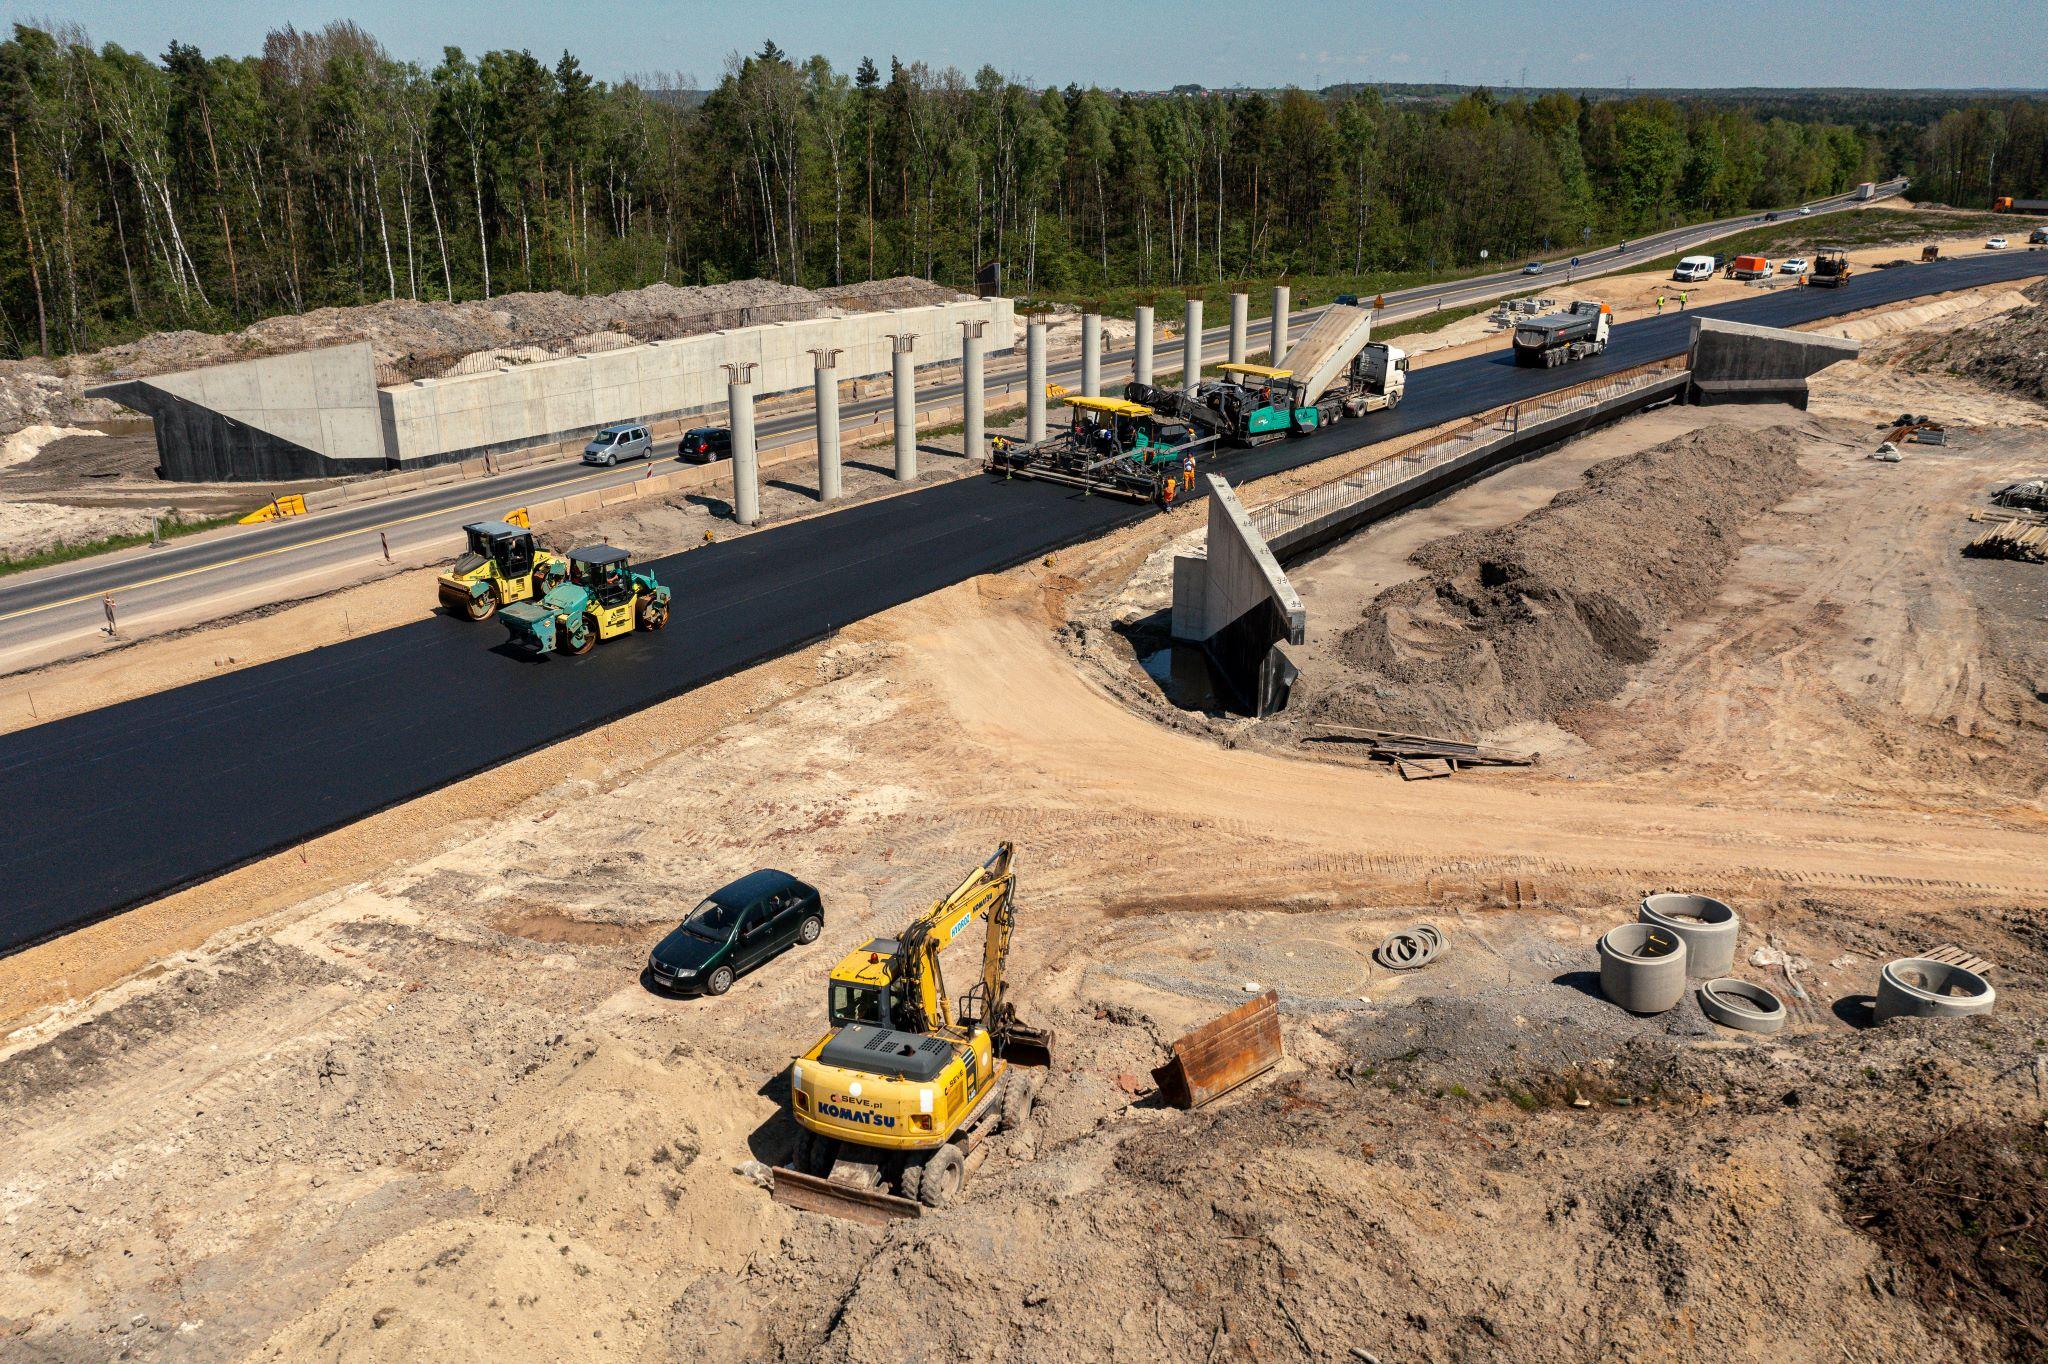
(458, 416)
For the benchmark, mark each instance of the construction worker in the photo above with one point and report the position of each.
(1187, 472)
(1682, 296)
(1660, 305)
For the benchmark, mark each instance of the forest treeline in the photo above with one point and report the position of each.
(208, 191)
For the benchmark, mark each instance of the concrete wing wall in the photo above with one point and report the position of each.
(1740, 362)
(314, 414)
(432, 420)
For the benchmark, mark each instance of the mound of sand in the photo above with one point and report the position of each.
(1528, 620)
(2008, 352)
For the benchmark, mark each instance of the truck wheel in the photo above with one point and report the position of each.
(944, 1173)
(719, 981)
(1393, 401)
(569, 642)
(653, 613)
(481, 608)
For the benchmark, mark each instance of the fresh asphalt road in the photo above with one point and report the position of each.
(214, 574)
(119, 805)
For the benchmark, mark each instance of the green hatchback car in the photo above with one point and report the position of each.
(757, 917)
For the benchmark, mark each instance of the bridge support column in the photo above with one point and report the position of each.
(1034, 380)
(904, 377)
(1091, 355)
(1282, 301)
(746, 463)
(1141, 361)
(1239, 310)
(971, 390)
(1191, 345)
(827, 379)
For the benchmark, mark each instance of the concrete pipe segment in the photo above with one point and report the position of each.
(1642, 968)
(1738, 1004)
(1914, 987)
(1707, 926)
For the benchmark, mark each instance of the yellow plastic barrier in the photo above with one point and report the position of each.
(276, 509)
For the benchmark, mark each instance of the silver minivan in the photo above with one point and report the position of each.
(623, 441)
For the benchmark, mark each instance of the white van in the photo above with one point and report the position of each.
(1693, 269)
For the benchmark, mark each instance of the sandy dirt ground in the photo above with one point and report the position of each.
(403, 1093)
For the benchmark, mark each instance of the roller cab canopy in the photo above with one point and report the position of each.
(597, 556)
(1257, 371)
(496, 530)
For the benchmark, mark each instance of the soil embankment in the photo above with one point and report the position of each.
(1522, 622)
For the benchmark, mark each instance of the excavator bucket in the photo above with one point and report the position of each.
(1222, 1054)
(1024, 1045)
(876, 1207)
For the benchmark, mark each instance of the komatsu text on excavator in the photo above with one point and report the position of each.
(904, 1088)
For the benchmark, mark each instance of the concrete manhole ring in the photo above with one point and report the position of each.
(1739, 1004)
(1642, 967)
(1708, 926)
(1915, 987)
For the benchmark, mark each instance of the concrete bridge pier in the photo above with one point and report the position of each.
(1282, 301)
(1091, 355)
(1034, 380)
(972, 391)
(827, 380)
(1141, 361)
(1191, 345)
(904, 382)
(1239, 311)
(746, 463)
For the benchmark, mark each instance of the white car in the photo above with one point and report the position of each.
(1995, 244)
(1798, 265)
(1806, 208)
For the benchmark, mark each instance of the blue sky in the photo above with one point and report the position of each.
(1152, 44)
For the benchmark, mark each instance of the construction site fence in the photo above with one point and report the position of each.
(1276, 518)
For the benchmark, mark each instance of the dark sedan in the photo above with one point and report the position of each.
(736, 929)
(705, 445)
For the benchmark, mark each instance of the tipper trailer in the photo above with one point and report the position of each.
(1558, 338)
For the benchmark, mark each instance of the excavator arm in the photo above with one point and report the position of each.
(921, 1004)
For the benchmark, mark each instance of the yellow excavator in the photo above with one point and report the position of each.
(902, 1091)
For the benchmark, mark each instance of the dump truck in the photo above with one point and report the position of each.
(1334, 371)
(1558, 338)
(1751, 267)
(1866, 190)
(2007, 204)
(894, 1101)
(1111, 445)
(499, 566)
(1830, 269)
(602, 599)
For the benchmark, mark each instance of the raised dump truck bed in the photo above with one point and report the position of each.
(1326, 350)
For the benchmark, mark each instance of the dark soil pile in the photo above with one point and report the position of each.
(1528, 620)
(1964, 1209)
(2009, 352)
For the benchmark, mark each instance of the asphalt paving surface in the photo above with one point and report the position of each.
(120, 805)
